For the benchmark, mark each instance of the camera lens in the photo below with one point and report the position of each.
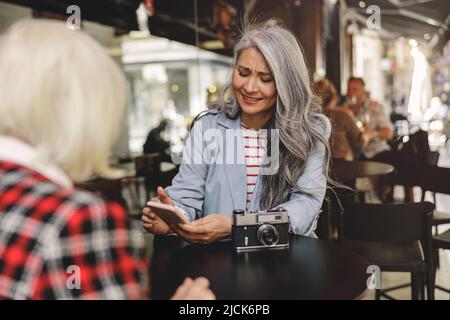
(268, 235)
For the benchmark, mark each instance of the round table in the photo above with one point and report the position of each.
(309, 269)
(345, 170)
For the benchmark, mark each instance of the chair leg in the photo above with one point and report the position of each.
(431, 274)
(430, 282)
(378, 291)
(377, 294)
(380, 190)
(436, 257)
(423, 283)
(415, 285)
(390, 196)
(361, 197)
(409, 195)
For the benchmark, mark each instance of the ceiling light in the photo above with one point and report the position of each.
(212, 89)
(412, 43)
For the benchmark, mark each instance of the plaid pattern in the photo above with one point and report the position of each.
(49, 235)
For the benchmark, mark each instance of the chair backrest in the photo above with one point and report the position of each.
(433, 158)
(387, 222)
(108, 189)
(147, 164)
(436, 179)
(411, 153)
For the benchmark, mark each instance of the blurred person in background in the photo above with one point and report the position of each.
(62, 101)
(372, 120)
(376, 125)
(155, 142)
(346, 137)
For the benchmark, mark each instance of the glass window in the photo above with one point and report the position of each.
(168, 80)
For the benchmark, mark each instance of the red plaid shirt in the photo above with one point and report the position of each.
(58, 243)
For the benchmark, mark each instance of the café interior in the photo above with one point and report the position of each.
(382, 233)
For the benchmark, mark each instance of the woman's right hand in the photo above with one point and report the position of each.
(150, 221)
(197, 289)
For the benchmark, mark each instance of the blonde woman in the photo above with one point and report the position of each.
(61, 101)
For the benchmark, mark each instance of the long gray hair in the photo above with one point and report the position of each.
(298, 112)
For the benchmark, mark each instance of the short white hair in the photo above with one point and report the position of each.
(61, 93)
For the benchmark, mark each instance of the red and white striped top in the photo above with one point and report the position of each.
(255, 148)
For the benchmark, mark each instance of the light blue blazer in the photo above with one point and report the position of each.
(209, 183)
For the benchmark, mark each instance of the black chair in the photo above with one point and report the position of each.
(436, 180)
(392, 237)
(410, 155)
(108, 189)
(148, 166)
(327, 224)
(442, 241)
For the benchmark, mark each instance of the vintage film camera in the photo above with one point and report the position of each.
(260, 229)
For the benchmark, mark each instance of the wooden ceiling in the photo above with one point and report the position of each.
(187, 21)
(120, 14)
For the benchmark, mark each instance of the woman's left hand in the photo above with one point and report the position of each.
(205, 230)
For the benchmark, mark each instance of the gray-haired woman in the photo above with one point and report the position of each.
(223, 161)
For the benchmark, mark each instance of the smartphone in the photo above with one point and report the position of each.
(169, 214)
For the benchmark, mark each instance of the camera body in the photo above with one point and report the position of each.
(260, 230)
